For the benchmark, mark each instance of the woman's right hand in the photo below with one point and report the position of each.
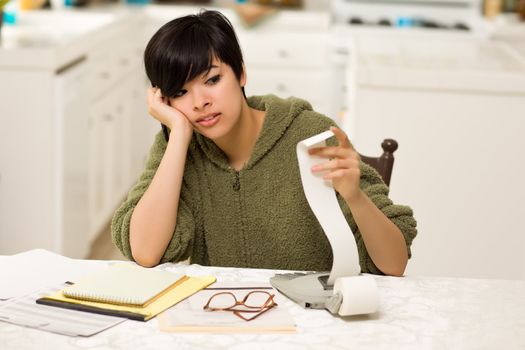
(160, 109)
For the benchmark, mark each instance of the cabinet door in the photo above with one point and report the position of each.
(119, 142)
(143, 126)
(27, 161)
(111, 141)
(111, 172)
(73, 168)
(98, 164)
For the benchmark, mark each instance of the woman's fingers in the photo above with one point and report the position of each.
(342, 167)
(341, 157)
(154, 95)
(341, 137)
(150, 93)
(343, 150)
(158, 96)
(158, 107)
(332, 152)
(338, 163)
(341, 173)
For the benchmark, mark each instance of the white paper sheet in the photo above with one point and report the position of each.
(24, 311)
(189, 316)
(323, 201)
(29, 271)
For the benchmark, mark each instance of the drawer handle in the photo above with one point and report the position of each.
(124, 62)
(105, 75)
(108, 117)
(282, 88)
(283, 54)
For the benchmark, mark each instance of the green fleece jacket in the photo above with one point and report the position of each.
(257, 217)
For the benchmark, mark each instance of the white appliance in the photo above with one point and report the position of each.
(462, 15)
(446, 19)
(43, 184)
(457, 109)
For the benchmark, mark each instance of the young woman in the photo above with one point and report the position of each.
(222, 184)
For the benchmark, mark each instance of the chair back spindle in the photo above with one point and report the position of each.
(385, 162)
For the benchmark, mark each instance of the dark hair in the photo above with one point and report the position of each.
(185, 47)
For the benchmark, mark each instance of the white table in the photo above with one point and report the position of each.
(415, 313)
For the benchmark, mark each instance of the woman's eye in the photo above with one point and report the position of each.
(213, 80)
(179, 93)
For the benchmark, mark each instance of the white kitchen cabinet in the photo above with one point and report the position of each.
(71, 172)
(289, 57)
(97, 151)
(113, 164)
(42, 160)
(285, 48)
(25, 161)
(311, 86)
(69, 152)
(116, 84)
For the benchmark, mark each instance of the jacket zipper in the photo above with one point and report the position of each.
(237, 182)
(237, 187)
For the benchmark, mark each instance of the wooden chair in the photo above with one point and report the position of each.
(385, 162)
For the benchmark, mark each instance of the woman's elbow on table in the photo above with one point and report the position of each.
(144, 259)
(395, 271)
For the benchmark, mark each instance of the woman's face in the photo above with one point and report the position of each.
(212, 101)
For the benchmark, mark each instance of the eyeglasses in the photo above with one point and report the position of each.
(256, 301)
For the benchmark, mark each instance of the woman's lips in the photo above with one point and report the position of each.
(210, 120)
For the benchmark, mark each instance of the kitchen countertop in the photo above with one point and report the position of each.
(58, 38)
(509, 29)
(49, 40)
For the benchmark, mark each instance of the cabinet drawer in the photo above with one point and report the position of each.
(128, 56)
(313, 86)
(112, 62)
(285, 50)
(103, 72)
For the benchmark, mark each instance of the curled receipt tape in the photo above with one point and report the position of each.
(343, 291)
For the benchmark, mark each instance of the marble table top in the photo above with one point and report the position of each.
(415, 313)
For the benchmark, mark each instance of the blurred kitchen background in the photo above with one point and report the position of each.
(445, 78)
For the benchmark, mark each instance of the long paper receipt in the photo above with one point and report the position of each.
(323, 202)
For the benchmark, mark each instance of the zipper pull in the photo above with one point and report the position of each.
(237, 182)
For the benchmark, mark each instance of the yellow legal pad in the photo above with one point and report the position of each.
(185, 287)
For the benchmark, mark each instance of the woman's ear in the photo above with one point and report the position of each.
(243, 77)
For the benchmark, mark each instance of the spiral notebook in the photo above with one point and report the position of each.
(188, 285)
(124, 284)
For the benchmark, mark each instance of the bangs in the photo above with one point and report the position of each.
(183, 59)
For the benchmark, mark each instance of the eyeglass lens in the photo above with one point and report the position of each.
(222, 301)
(257, 299)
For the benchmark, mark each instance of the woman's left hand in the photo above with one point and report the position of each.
(342, 167)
